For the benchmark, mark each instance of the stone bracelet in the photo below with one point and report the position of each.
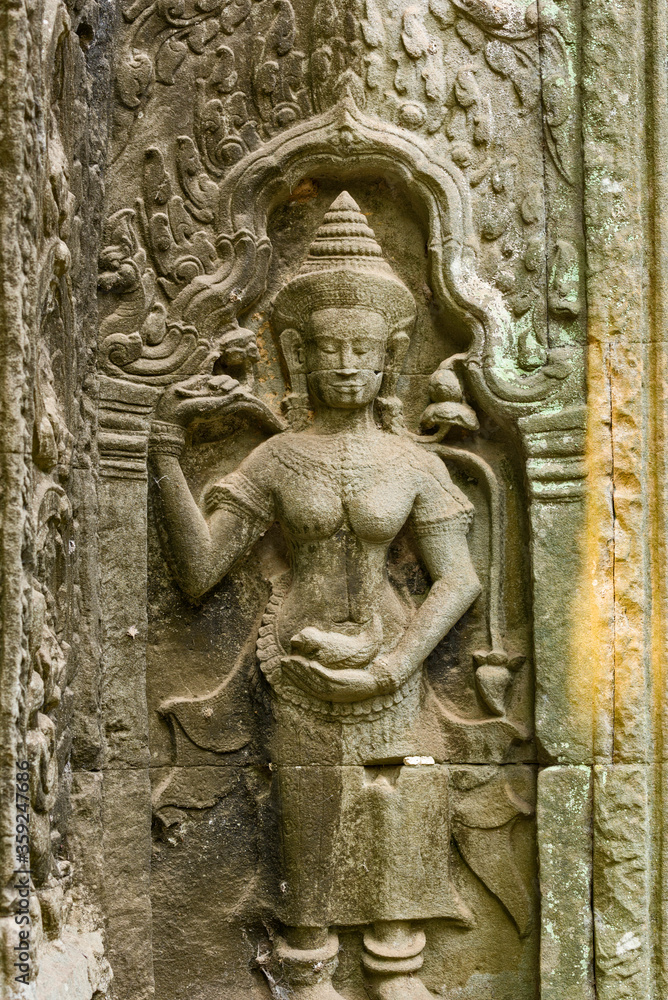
(166, 438)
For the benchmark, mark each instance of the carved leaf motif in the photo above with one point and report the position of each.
(467, 90)
(122, 349)
(478, 107)
(293, 75)
(374, 70)
(483, 123)
(283, 30)
(180, 222)
(195, 182)
(443, 11)
(532, 204)
(234, 14)
(496, 205)
(133, 8)
(373, 29)
(558, 98)
(511, 62)
(266, 82)
(506, 56)
(414, 35)
(211, 125)
(532, 350)
(119, 267)
(434, 75)
(170, 55)
(224, 75)
(488, 13)
(223, 147)
(157, 187)
(201, 34)
(326, 19)
(424, 50)
(134, 76)
(179, 353)
(470, 34)
(278, 76)
(563, 294)
(482, 826)
(155, 325)
(321, 68)
(160, 234)
(350, 82)
(179, 253)
(171, 10)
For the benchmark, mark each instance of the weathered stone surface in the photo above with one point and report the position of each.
(621, 896)
(564, 818)
(53, 138)
(76, 962)
(332, 531)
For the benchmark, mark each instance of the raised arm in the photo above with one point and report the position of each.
(202, 547)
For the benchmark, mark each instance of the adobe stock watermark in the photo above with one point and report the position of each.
(22, 872)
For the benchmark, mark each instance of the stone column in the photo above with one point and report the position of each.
(624, 116)
(126, 795)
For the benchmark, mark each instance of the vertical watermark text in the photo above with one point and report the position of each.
(22, 872)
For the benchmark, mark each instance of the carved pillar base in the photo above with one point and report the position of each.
(392, 954)
(307, 972)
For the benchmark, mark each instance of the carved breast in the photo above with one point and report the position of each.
(328, 484)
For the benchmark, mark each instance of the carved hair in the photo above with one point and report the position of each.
(344, 268)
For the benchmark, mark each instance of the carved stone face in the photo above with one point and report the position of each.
(344, 354)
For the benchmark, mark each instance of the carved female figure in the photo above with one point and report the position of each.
(364, 838)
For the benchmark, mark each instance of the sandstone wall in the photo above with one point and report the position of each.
(164, 169)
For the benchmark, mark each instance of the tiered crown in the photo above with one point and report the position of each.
(344, 268)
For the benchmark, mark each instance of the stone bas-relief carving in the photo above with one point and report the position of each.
(367, 821)
(463, 80)
(365, 774)
(341, 654)
(191, 264)
(206, 335)
(50, 195)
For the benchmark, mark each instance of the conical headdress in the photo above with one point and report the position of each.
(344, 268)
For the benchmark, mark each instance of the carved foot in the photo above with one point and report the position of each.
(307, 972)
(397, 988)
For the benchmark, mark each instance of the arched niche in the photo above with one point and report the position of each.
(345, 143)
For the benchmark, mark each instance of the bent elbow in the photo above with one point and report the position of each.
(463, 592)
